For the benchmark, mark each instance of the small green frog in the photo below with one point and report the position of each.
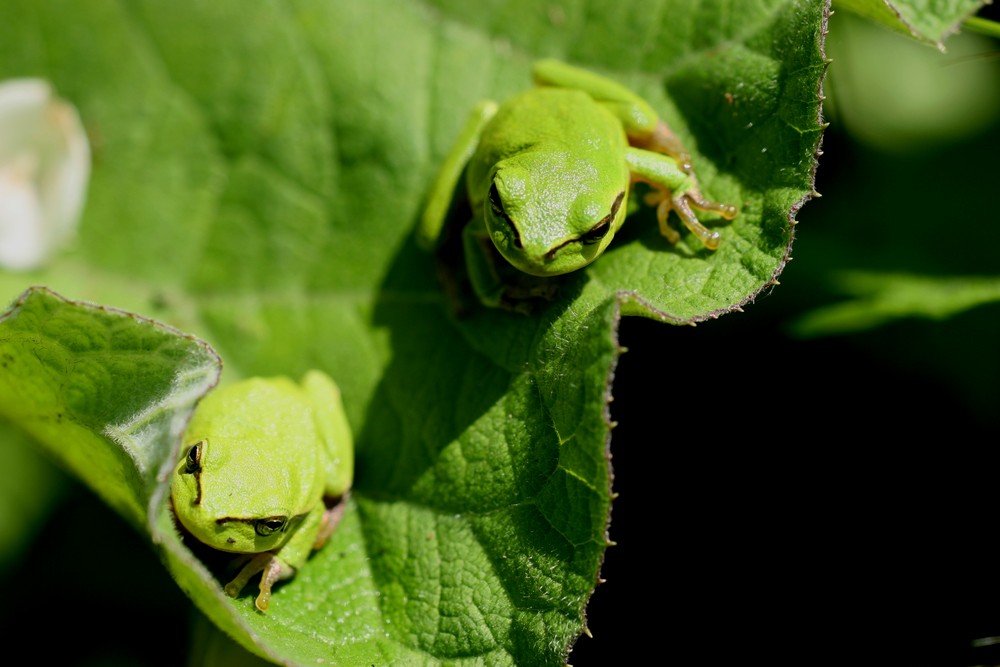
(548, 175)
(260, 459)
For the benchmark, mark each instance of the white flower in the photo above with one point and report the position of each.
(44, 169)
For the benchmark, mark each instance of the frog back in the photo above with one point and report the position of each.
(259, 460)
(565, 123)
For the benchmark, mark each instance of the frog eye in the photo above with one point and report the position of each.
(601, 229)
(270, 525)
(497, 205)
(192, 462)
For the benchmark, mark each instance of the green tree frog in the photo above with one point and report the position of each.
(261, 460)
(548, 175)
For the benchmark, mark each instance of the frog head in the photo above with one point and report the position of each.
(251, 469)
(549, 212)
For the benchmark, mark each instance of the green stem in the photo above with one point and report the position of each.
(982, 26)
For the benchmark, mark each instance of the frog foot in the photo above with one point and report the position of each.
(273, 569)
(683, 203)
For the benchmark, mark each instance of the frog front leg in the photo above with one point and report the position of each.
(318, 525)
(431, 231)
(657, 157)
(675, 189)
(496, 283)
(280, 564)
(273, 569)
(662, 161)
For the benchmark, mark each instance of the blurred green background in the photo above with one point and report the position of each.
(831, 483)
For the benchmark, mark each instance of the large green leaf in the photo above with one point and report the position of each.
(927, 21)
(108, 392)
(258, 172)
(894, 93)
(883, 298)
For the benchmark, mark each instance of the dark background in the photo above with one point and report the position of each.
(836, 498)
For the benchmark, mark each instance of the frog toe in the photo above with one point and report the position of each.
(273, 569)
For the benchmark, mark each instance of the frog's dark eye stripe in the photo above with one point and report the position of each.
(497, 205)
(192, 466)
(601, 229)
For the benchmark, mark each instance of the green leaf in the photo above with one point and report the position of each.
(108, 392)
(894, 93)
(258, 173)
(884, 298)
(928, 21)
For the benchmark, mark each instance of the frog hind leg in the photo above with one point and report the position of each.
(640, 121)
(663, 140)
(636, 115)
(331, 519)
(333, 429)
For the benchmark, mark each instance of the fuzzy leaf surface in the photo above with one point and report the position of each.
(258, 173)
